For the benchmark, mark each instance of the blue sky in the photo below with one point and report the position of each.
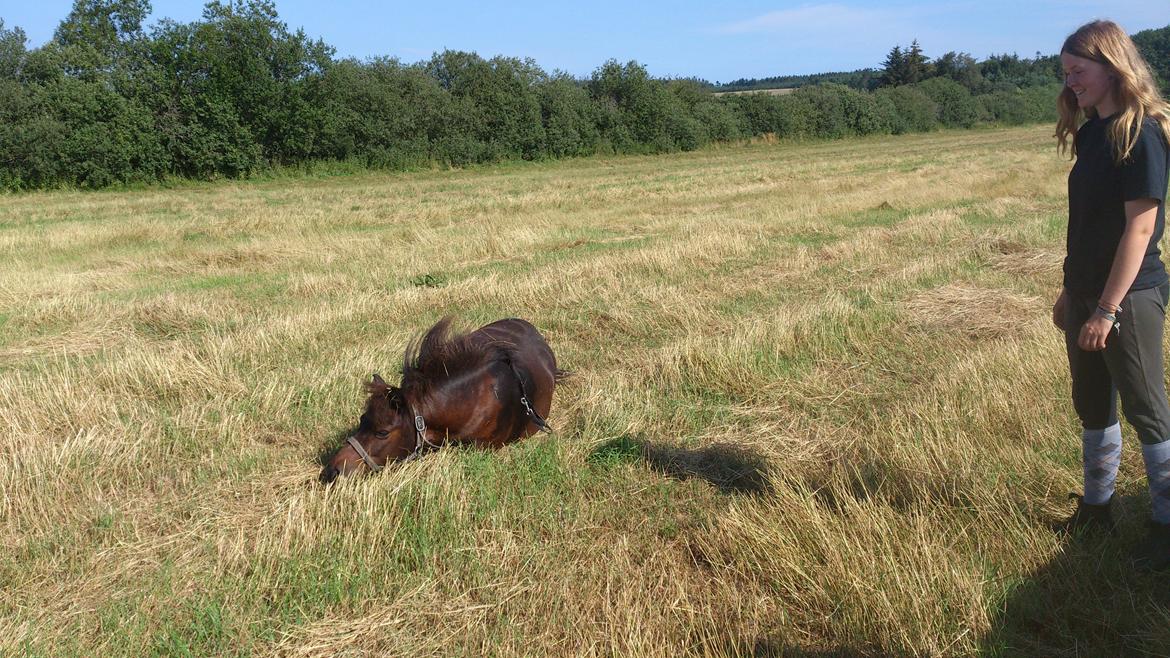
(719, 41)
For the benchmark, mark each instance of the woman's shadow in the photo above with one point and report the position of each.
(1091, 600)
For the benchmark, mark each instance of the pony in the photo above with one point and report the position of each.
(489, 387)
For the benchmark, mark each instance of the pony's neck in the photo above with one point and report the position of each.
(449, 407)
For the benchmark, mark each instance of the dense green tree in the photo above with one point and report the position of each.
(246, 60)
(1154, 46)
(905, 67)
(635, 107)
(74, 117)
(865, 115)
(719, 119)
(569, 117)
(956, 107)
(234, 84)
(1006, 72)
(1032, 104)
(1003, 68)
(917, 64)
(496, 104)
(26, 158)
(761, 114)
(380, 114)
(686, 130)
(100, 38)
(12, 52)
(962, 68)
(819, 111)
(914, 111)
(894, 69)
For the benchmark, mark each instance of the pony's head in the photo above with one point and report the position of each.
(385, 433)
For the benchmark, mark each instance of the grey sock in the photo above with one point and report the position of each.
(1102, 456)
(1157, 457)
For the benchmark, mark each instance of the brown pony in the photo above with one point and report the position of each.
(489, 387)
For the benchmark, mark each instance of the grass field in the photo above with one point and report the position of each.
(818, 410)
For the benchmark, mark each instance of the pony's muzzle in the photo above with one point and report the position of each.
(328, 474)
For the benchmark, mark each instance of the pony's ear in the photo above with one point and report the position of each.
(395, 398)
(378, 380)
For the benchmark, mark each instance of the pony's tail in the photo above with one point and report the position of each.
(561, 375)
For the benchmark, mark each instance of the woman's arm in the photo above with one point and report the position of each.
(1140, 217)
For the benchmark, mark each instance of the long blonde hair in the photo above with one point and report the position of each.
(1133, 88)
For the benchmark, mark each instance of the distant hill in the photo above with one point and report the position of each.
(771, 92)
(859, 79)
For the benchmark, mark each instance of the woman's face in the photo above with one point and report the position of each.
(1091, 81)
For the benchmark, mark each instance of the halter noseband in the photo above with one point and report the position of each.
(357, 446)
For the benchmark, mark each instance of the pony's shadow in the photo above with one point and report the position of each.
(772, 647)
(332, 444)
(731, 469)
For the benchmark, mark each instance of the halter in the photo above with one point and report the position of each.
(420, 432)
(528, 410)
(421, 441)
(364, 455)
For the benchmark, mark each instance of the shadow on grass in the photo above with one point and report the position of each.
(332, 444)
(729, 468)
(1089, 601)
(770, 648)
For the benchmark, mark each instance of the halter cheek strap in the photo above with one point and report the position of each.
(420, 433)
(364, 455)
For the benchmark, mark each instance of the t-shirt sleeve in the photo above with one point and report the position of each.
(1144, 174)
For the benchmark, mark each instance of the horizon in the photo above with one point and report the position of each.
(745, 39)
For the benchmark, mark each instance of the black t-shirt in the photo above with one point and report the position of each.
(1097, 192)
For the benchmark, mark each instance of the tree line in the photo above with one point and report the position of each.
(909, 65)
(107, 101)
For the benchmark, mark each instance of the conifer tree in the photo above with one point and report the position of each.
(894, 68)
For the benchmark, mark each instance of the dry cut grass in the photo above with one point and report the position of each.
(818, 410)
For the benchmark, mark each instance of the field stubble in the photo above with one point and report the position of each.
(818, 409)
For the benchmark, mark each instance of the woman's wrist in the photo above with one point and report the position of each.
(1110, 318)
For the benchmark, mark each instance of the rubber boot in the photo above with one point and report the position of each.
(1089, 518)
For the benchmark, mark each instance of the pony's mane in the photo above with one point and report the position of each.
(442, 354)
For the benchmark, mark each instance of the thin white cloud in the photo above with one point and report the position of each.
(816, 19)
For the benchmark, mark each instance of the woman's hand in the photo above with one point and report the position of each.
(1094, 333)
(1058, 310)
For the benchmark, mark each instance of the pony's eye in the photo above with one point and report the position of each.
(382, 434)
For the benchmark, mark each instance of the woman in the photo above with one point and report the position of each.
(1113, 304)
